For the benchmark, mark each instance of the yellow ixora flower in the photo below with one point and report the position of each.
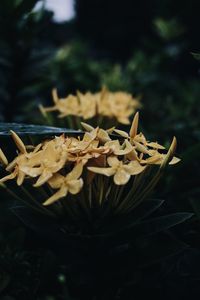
(19, 161)
(68, 164)
(70, 183)
(142, 147)
(121, 171)
(118, 106)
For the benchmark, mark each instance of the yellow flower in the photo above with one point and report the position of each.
(113, 105)
(66, 106)
(88, 104)
(20, 160)
(122, 172)
(99, 133)
(49, 160)
(118, 149)
(142, 147)
(70, 183)
(118, 105)
(60, 162)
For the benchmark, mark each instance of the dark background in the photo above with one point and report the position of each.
(144, 47)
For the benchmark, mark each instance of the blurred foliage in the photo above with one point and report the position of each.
(149, 48)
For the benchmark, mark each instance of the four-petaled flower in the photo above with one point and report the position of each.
(121, 171)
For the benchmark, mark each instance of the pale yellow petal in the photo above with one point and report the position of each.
(32, 172)
(11, 165)
(9, 177)
(103, 136)
(55, 96)
(174, 160)
(20, 145)
(87, 127)
(140, 138)
(20, 177)
(110, 130)
(3, 158)
(170, 153)
(58, 195)
(122, 133)
(113, 145)
(104, 171)
(44, 177)
(113, 161)
(125, 150)
(75, 186)
(76, 172)
(56, 181)
(153, 160)
(134, 126)
(121, 177)
(134, 168)
(155, 145)
(141, 148)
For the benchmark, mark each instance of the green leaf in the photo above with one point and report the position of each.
(24, 129)
(196, 55)
(129, 220)
(18, 2)
(159, 224)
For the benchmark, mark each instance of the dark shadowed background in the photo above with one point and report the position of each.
(148, 48)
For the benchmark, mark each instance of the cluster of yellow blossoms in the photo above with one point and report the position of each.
(118, 106)
(66, 164)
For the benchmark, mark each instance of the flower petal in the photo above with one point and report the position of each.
(174, 160)
(103, 171)
(121, 177)
(113, 161)
(155, 146)
(141, 148)
(58, 195)
(103, 136)
(56, 181)
(87, 127)
(134, 126)
(122, 133)
(134, 168)
(32, 172)
(20, 145)
(44, 177)
(55, 96)
(20, 177)
(9, 177)
(75, 186)
(76, 172)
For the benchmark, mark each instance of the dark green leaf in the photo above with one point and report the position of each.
(24, 129)
(127, 221)
(159, 224)
(196, 55)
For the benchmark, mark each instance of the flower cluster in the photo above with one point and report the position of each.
(67, 164)
(117, 106)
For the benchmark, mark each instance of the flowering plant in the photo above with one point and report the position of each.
(87, 195)
(97, 108)
(106, 171)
